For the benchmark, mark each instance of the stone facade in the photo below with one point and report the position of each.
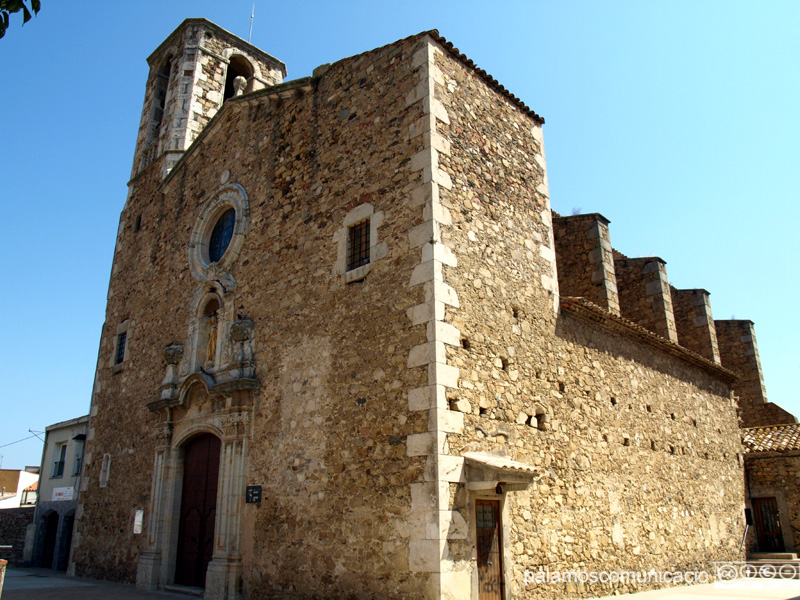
(694, 323)
(382, 395)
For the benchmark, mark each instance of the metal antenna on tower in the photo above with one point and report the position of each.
(252, 14)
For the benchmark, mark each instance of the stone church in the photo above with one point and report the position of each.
(350, 351)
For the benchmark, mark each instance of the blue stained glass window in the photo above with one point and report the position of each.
(221, 235)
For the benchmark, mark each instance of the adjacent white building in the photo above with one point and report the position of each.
(14, 484)
(62, 465)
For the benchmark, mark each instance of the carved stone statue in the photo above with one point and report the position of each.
(239, 84)
(211, 349)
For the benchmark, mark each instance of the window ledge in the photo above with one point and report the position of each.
(357, 274)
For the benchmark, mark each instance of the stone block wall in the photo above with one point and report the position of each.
(370, 385)
(330, 420)
(585, 260)
(640, 449)
(644, 294)
(694, 323)
(739, 353)
(13, 529)
(772, 414)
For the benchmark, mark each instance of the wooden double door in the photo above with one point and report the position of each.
(198, 510)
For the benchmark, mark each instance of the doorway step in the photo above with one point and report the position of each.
(775, 565)
(185, 590)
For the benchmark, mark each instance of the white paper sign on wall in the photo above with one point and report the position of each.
(63, 493)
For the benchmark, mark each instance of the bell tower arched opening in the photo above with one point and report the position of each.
(160, 89)
(239, 66)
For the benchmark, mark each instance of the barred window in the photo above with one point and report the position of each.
(358, 245)
(120, 353)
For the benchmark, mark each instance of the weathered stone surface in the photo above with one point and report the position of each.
(13, 529)
(775, 475)
(585, 259)
(739, 353)
(695, 325)
(612, 498)
(352, 400)
(644, 294)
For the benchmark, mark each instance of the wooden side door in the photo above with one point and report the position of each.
(768, 525)
(198, 510)
(490, 556)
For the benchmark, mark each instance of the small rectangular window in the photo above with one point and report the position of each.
(358, 245)
(58, 462)
(105, 470)
(120, 354)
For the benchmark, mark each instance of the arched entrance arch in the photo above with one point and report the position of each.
(194, 528)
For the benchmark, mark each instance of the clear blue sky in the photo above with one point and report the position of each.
(678, 121)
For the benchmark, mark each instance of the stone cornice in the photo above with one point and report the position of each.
(587, 311)
(223, 33)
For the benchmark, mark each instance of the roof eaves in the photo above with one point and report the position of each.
(487, 78)
(582, 308)
(206, 23)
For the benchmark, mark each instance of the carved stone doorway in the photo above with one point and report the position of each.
(198, 510)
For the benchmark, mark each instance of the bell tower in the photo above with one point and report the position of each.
(192, 73)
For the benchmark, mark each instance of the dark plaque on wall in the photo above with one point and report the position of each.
(253, 494)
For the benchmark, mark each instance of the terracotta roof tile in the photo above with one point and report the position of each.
(502, 464)
(774, 438)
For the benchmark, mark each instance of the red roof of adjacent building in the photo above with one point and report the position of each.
(773, 438)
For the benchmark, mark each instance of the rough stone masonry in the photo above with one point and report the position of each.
(388, 346)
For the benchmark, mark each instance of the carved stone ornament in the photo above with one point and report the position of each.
(239, 83)
(163, 433)
(173, 354)
(242, 330)
(235, 424)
